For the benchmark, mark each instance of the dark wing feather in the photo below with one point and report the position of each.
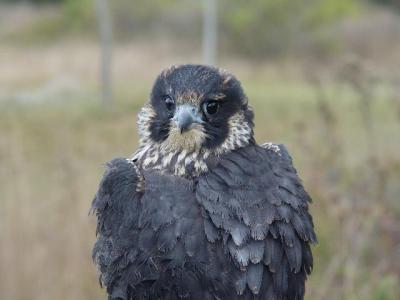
(254, 199)
(116, 205)
(152, 243)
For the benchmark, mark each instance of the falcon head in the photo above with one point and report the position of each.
(196, 108)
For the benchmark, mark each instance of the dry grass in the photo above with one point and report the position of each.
(341, 134)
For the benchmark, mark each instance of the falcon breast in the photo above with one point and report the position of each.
(200, 211)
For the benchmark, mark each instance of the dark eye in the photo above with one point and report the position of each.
(169, 102)
(211, 107)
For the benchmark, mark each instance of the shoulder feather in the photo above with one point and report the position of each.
(116, 207)
(256, 202)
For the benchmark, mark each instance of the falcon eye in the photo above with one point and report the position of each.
(169, 102)
(211, 107)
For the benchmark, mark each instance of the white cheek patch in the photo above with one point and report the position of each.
(146, 114)
(239, 134)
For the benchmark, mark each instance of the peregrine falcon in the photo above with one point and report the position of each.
(201, 211)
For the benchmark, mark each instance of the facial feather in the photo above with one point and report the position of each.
(164, 145)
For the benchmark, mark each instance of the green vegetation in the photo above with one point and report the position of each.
(265, 28)
(280, 27)
(390, 3)
(80, 14)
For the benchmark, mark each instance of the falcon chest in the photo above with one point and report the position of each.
(170, 216)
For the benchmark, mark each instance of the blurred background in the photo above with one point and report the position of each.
(323, 78)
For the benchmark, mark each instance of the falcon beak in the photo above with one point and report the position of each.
(186, 116)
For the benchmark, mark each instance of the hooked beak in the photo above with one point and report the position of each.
(186, 116)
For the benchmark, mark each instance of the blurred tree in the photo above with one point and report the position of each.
(210, 30)
(277, 26)
(391, 3)
(81, 14)
(105, 29)
(175, 18)
(262, 28)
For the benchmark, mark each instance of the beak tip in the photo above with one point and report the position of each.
(185, 116)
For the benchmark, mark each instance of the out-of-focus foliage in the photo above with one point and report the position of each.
(175, 18)
(394, 3)
(272, 26)
(80, 13)
(264, 28)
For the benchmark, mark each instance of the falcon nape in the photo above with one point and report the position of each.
(201, 211)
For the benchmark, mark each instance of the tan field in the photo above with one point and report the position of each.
(340, 122)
